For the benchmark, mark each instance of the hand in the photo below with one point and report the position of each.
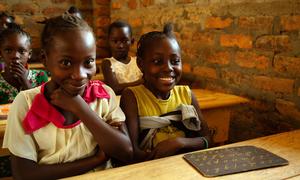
(20, 73)
(166, 148)
(65, 101)
(100, 156)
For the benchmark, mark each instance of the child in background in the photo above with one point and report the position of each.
(15, 51)
(163, 118)
(69, 125)
(120, 71)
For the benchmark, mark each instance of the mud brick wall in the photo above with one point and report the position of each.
(245, 47)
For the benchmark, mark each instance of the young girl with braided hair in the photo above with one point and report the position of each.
(163, 118)
(71, 124)
(15, 51)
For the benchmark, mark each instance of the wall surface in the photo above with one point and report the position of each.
(245, 47)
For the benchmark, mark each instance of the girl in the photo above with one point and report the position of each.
(15, 51)
(71, 124)
(120, 71)
(150, 107)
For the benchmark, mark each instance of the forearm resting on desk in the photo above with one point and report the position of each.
(28, 169)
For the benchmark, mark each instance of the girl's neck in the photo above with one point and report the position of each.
(158, 94)
(123, 60)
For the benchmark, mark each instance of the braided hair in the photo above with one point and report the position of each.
(13, 28)
(65, 22)
(119, 24)
(147, 39)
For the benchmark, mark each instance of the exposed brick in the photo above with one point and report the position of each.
(205, 72)
(251, 60)
(288, 108)
(184, 1)
(100, 32)
(273, 84)
(287, 65)
(53, 11)
(116, 5)
(24, 8)
(203, 39)
(217, 23)
(260, 105)
(234, 77)
(132, 4)
(102, 53)
(146, 3)
(290, 23)
(276, 43)
(264, 23)
(186, 68)
(3, 6)
(101, 42)
(62, 1)
(102, 21)
(239, 40)
(101, 11)
(221, 57)
(135, 22)
(102, 2)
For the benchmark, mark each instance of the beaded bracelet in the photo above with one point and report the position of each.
(205, 142)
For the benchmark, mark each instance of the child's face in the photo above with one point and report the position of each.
(71, 60)
(161, 66)
(15, 49)
(120, 42)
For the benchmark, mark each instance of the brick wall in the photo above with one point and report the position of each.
(28, 12)
(249, 48)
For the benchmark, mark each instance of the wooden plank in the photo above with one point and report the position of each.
(210, 99)
(286, 145)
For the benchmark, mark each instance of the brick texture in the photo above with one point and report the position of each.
(278, 43)
(290, 23)
(287, 65)
(218, 22)
(274, 84)
(251, 60)
(221, 57)
(205, 72)
(288, 108)
(231, 40)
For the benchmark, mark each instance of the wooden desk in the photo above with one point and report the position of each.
(286, 145)
(216, 109)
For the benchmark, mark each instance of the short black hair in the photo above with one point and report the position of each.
(119, 24)
(150, 37)
(57, 24)
(13, 28)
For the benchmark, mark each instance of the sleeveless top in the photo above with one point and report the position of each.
(125, 72)
(149, 105)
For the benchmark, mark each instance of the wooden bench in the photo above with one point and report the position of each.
(216, 108)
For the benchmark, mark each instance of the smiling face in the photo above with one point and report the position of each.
(161, 66)
(119, 42)
(15, 47)
(71, 59)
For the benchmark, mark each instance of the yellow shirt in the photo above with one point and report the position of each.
(149, 105)
(52, 145)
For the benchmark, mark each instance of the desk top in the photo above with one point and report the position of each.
(286, 145)
(211, 99)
